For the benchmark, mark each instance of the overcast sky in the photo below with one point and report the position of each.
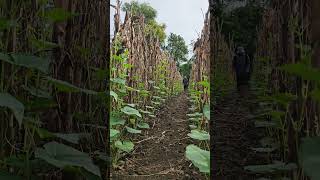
(183, 17)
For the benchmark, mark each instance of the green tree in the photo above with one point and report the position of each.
(240, 20)
(185, 69)
(153, 28)
(177, 48)
(144, 9)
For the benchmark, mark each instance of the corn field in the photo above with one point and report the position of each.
(53, 54)
(279, 129)
(76, 104)
(144, 80)
(287, 57)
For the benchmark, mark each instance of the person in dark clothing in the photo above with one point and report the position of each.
(242, 65)
(185, 83)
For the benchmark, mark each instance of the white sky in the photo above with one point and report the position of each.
(183, 17)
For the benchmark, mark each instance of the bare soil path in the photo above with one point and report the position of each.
(160, 152)
(234, 134)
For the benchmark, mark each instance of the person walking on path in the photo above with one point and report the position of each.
(242, 68)
(185, 83)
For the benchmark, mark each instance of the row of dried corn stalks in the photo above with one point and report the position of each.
(75, 45)
(211, 46)
(150, 66)
(286, 38)
(200, 71)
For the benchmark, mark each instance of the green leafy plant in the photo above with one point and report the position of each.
(200, 158)
(309, 157)
(62, 156)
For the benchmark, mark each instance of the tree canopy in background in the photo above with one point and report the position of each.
(240, 20)
(176, 45)
(153, 28)
(177, 48)
(144, 9)
(185, 69)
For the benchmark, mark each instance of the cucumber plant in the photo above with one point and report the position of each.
(199, 154)
(133, 106)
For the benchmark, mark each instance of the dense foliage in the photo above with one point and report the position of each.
(241, 25)
(143, 77)
(199, 89)
(285, 79)
(239, 21)
(47, 127)
(153, 28)
(185, 69)
(177, 48)
(140, 9)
